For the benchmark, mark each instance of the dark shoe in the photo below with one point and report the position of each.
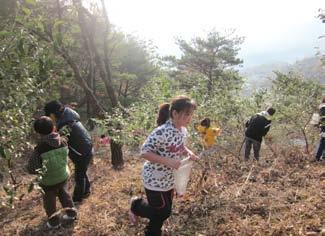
(318, 159)
(49, 226)
(70, 214)
(133, 217)
(77, 202)
(69, 218)
(86, 195)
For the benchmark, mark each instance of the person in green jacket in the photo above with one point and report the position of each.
(50, 161)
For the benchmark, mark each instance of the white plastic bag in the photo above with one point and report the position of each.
(182, 176)
(314, 119)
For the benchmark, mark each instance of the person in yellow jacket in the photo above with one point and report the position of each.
(208, 132)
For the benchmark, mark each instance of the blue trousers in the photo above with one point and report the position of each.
(321, 149)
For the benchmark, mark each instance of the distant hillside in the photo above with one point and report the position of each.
(261, 76)
(310, 68)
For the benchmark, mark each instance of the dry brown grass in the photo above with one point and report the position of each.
(282, 196)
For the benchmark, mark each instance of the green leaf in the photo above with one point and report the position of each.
(3, 152)
(40, 26)
(6, 189)
(26, 10)
(31, 2)
(57, 23)
(20, 46)
(75, 29)
(4, 33)
(58, 38)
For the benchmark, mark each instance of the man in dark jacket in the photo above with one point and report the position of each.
(321, 148)
(256, 128)
(80, 145)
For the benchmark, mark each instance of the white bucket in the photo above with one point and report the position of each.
(182, 176)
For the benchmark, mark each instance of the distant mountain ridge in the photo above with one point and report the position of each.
(261, 76)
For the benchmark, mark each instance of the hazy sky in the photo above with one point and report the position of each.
(274, 30)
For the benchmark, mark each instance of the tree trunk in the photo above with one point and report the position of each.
(126, 88)
(306, 141)
(86, 85)
(210, 83)
(90, 82)
(103, 64)
(117, 155)
(116, 147)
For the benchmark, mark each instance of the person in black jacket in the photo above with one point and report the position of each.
(256, 128)
(80, 145)
(321, 148)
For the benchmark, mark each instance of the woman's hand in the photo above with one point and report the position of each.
(172, 163)
(193, 157)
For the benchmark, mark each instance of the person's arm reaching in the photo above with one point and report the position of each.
(155, 158)
(191, 154)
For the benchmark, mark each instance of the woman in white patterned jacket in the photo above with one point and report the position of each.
(163, 151)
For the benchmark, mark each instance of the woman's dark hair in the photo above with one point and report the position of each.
(180, 104)
(43, 125)
(163, 113)
(54, 107)
(205, 122)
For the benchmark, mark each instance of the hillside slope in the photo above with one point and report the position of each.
(281, 195)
